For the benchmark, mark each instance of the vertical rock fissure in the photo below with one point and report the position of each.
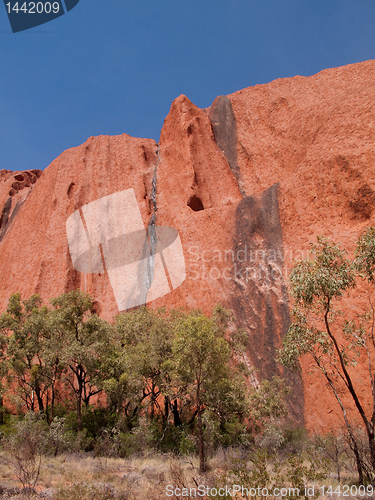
(4, 219)
(224, 128)
(146, 266)
(151, 230)
(259, 296)
(9, 220)
(152, 226)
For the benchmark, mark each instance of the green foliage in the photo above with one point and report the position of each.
(84, 338)
(325, 278)
(143, 345)
(315, 284)
(25, 447)
(187, 445)
(201, 364)
(173, 381)
(268, 410)
(201, 367)
(84, 345)
(199, 350)
(335, 344)
(365, 254)
(24, 325)
(295, 439)
(59, 438)
(272, 436)
(334, 447)
(300, 473)
(228, 432)
(261, 471)
(147, 364)
(269, 400)
(140, 441)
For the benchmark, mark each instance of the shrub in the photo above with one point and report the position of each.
(25, 447)
(58, 438)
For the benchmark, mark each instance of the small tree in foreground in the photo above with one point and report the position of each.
(25, 448)
(84, 345)
(22, 328)
(201, 357)
(320, 330)
(143, 344)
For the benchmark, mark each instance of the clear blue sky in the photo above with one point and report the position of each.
(114, 66)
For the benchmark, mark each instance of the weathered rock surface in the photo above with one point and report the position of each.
(248, 183)
(15, 187)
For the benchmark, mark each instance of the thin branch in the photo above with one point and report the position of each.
(346, 374)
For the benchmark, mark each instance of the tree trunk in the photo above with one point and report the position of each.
(39, 398)
(79, 398)
(202, 455)
(370, 435)
(166, 410)
(176, 415)
(52, 403)
(152, 404)
(358, 462)
(47, 408)
(79, 411)
(352, 441)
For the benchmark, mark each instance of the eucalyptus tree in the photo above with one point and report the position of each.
(201, 364)
(23, 324)
(139, 380)
(334, 342)
(4, 369)
(85, 342)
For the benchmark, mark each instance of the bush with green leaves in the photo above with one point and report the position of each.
(59, 438)
(335, 342)
(168, 381)
(25, 448)
(259, 470)
(334, 447)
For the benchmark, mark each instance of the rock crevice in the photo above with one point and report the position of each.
(259, 296)
(224, 128)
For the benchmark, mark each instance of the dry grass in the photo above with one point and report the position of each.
(82, 477)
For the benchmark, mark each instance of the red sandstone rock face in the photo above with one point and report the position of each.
(34, 254)
(316, 137)
(15, 187)
(263, 170)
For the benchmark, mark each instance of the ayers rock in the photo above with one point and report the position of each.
(248, 183)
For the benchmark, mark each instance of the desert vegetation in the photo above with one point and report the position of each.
(322, 330)
(99, 410)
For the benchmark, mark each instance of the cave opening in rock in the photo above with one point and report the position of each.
(195, 203)
(71, 189)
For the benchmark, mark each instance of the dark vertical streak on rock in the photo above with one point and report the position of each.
(73, 278)
(146, 267)
(6, 221)
(260, 296)
(225, 132)
(153, 240)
